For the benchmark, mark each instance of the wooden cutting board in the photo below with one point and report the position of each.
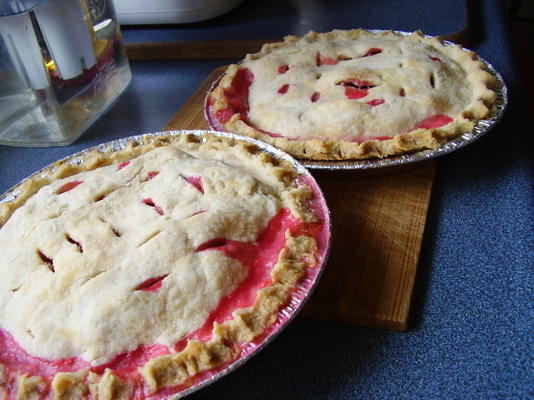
(377, 227)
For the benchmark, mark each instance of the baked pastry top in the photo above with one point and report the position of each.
(133, 273)
(353, 94)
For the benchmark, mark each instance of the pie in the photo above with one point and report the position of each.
(139, 272)
(353, 94)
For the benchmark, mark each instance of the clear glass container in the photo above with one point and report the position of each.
(62, 65)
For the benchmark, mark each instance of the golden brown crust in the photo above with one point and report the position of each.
(248, 323)
(110, 387)
(280, 171)
(30, 387)
(338, 149)
(70, 385)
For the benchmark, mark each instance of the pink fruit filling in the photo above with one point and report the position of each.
(149, 202)
(123, 164)
(356, 89)
(282, 69)
(283, 89)
(196, 181)
(323, 60)
(68, 186)
(372, 51)
(435, 121)
(151, 174)
(237, 96)
(258, 257)
(355, 93)
(151, 284)
(198, 212)
(376, 102)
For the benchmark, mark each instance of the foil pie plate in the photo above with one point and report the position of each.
(299, 294)
(378, 164)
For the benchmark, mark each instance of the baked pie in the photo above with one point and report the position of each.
(142, 271)
(353, 94)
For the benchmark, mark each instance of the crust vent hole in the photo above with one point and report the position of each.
(48, 261)
(71, 240)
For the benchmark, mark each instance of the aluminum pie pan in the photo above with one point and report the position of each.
(299, 294)
(482, 127)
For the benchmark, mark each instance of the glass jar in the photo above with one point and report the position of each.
(62, 65)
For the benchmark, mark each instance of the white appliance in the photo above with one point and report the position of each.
(131, 12)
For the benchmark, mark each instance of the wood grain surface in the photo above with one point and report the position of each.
(194, 49)
(377, 231)
(377, 227)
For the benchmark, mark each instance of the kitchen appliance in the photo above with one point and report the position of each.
(131, 12)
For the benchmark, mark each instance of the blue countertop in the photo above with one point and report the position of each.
(471, 331)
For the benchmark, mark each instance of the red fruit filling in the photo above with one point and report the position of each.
(258, 256)
(283, 89)
(151, 284)
(282, 69)
(435, 58)
(376, 102)
(354, 93)
(322, 60)
(123, 164)
(211, 244)
(196, 181)
(237, 96)
(356, 89)
(12, 355)
(435, 121)
(224, 115)
(314, 97)
(151, 174)
(198, 212)
(372, 51)
(149, 202)
(68, 186)
(402, 92)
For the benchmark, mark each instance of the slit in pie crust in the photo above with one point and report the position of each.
(134, 273)
(353, 94)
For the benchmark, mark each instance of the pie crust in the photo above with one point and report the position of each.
(353, 94)
(133, 273)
